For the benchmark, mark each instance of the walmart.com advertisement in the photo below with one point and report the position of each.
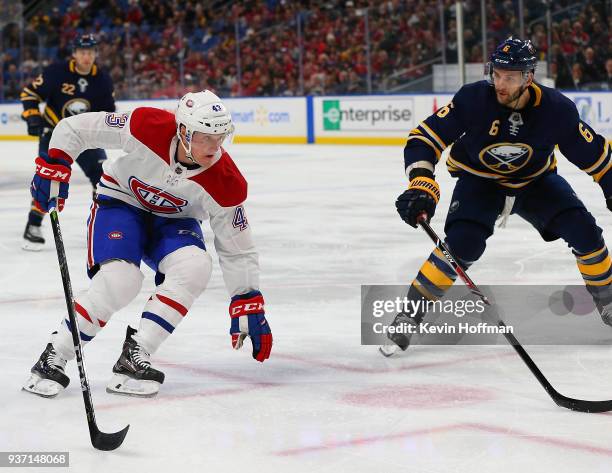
(272, 117)
(536, 315)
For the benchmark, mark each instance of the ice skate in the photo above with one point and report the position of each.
(606, 313)
(388, 350)
(32, 238)
(400, 340)
(133, 374)
(48, 378)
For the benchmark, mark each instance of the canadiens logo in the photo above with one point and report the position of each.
(156, 199)
(115, 235)
(506, 158)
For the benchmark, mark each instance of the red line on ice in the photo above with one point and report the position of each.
(365, 440)
(377, 370)
(516, 434)
(540, 438)
(218, 374)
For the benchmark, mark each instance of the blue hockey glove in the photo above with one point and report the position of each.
(54, 167)
(249, 320)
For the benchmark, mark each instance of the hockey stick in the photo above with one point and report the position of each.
(561, 400)
(100, 440)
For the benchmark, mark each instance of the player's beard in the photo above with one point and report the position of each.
(510, 98)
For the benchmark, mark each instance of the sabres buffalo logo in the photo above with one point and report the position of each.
(155, 199)
(75, 107)
(506, 158)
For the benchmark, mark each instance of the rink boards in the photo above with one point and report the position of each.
(358, 119)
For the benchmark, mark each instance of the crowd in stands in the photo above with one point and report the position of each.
(163, 48)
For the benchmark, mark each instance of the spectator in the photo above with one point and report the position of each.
(591, 68)
(145, 43)
(579, 37)
(577, 76)
(562, 70)
(608, 74)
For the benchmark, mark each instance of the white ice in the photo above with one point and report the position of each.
(324, 222)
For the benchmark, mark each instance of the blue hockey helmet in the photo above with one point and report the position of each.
(86, 41)
(513, 54)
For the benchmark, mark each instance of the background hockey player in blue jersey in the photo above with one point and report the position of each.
(503, 133)
(67, 88)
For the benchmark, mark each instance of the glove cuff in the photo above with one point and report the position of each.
(420, 172)
(428, 185)
(52, 172)
(246, 304)
(62, 156)
(30, 112)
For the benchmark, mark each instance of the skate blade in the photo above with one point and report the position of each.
(42, 387)
(388, 350)
(31, 246)
(122, 384)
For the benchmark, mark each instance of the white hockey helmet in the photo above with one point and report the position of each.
(202, 112)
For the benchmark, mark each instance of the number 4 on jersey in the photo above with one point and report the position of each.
(240, 220)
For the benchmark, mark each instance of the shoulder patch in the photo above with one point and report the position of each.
(155, 129)
(224, 182)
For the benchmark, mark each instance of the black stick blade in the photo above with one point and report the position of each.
(106, 442)
(580, 405)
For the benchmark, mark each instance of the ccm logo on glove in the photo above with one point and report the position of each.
(240, 308)
(249, 320)
(54, 172)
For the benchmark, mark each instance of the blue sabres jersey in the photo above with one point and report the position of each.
(511, 147)
(67, 93)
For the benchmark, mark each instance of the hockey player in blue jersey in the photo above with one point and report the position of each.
(67, 88)
(503, 133)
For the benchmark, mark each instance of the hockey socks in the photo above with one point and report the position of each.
(596, 270)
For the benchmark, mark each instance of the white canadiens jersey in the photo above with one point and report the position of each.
(149, 177)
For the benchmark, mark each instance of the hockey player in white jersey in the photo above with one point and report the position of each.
(149, 207)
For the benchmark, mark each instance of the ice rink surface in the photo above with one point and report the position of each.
(324, 222)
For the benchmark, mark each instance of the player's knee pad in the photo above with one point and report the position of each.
(113, 287)
(467, 240)
(579, 230)
(187, 272)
